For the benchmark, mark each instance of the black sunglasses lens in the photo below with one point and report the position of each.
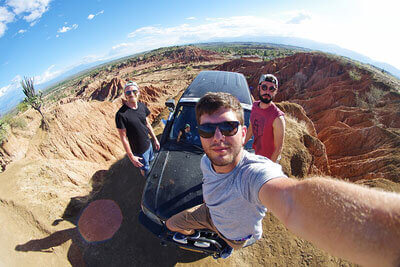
(131, 92)
(206, 130)
(227, 128)
(271, 88)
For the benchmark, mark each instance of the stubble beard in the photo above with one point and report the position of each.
(220, 161)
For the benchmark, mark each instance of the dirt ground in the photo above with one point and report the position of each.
(30, 239)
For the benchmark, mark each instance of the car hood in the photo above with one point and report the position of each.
(174, 183)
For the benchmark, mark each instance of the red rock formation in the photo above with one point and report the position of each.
(108, 90)
(355, 111)
(190, 55)
(306, 155)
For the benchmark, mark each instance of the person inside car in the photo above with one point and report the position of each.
(350, 221)
(184, 134)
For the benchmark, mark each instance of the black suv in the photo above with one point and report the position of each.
(174, 182)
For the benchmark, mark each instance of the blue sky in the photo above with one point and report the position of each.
(45, 38)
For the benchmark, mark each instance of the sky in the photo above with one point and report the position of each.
(46, 38)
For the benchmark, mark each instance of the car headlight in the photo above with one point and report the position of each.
(151, 215)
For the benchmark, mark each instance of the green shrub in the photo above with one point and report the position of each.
(354, 75)
(3, 131)
(22, 107)
(17, 123)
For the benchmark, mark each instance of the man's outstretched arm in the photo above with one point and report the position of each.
(350, 221)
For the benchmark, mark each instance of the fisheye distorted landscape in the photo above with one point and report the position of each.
(70, 197)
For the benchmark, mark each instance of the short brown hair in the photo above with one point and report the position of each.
(211, 102)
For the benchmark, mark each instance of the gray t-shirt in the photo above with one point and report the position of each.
(232, 198)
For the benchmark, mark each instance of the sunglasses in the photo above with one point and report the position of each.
(227, 128)
(129, 92)
(264, 87)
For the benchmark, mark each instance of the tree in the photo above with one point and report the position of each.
(33, 98)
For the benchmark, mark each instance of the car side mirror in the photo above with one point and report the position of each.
(170, 103)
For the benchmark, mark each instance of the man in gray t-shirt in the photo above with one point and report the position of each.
(232, 198)
(336, 216)
(232, 179)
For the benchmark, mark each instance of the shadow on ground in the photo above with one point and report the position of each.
(131, 245)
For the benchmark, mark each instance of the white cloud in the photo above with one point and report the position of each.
(3, 28)
(34, 9)
(120, 46)
(5, 17)
(191, 18)
(91, 16)
(66, 28)
(15, 84)
(87, 59)
(21, 31)
(299, 17)
(214, 28)
(4, 89)
(17, 79)
(123, 49)
(48, 75)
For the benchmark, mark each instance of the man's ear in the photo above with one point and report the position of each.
(244, 132)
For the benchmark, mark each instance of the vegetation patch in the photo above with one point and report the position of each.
(3, 131)
(264, 51)
(354, 75)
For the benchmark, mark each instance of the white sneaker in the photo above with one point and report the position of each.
(202, 244)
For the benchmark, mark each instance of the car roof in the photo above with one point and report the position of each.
(218, 81)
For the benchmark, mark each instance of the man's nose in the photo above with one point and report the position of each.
(218, 135)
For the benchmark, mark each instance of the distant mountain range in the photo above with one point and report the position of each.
(11, 98)
(309, 44)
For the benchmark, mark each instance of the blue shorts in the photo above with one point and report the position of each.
(147, 156)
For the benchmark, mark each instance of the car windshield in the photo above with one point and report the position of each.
(185, 115)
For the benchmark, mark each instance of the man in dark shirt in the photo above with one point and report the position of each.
(134, 129)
